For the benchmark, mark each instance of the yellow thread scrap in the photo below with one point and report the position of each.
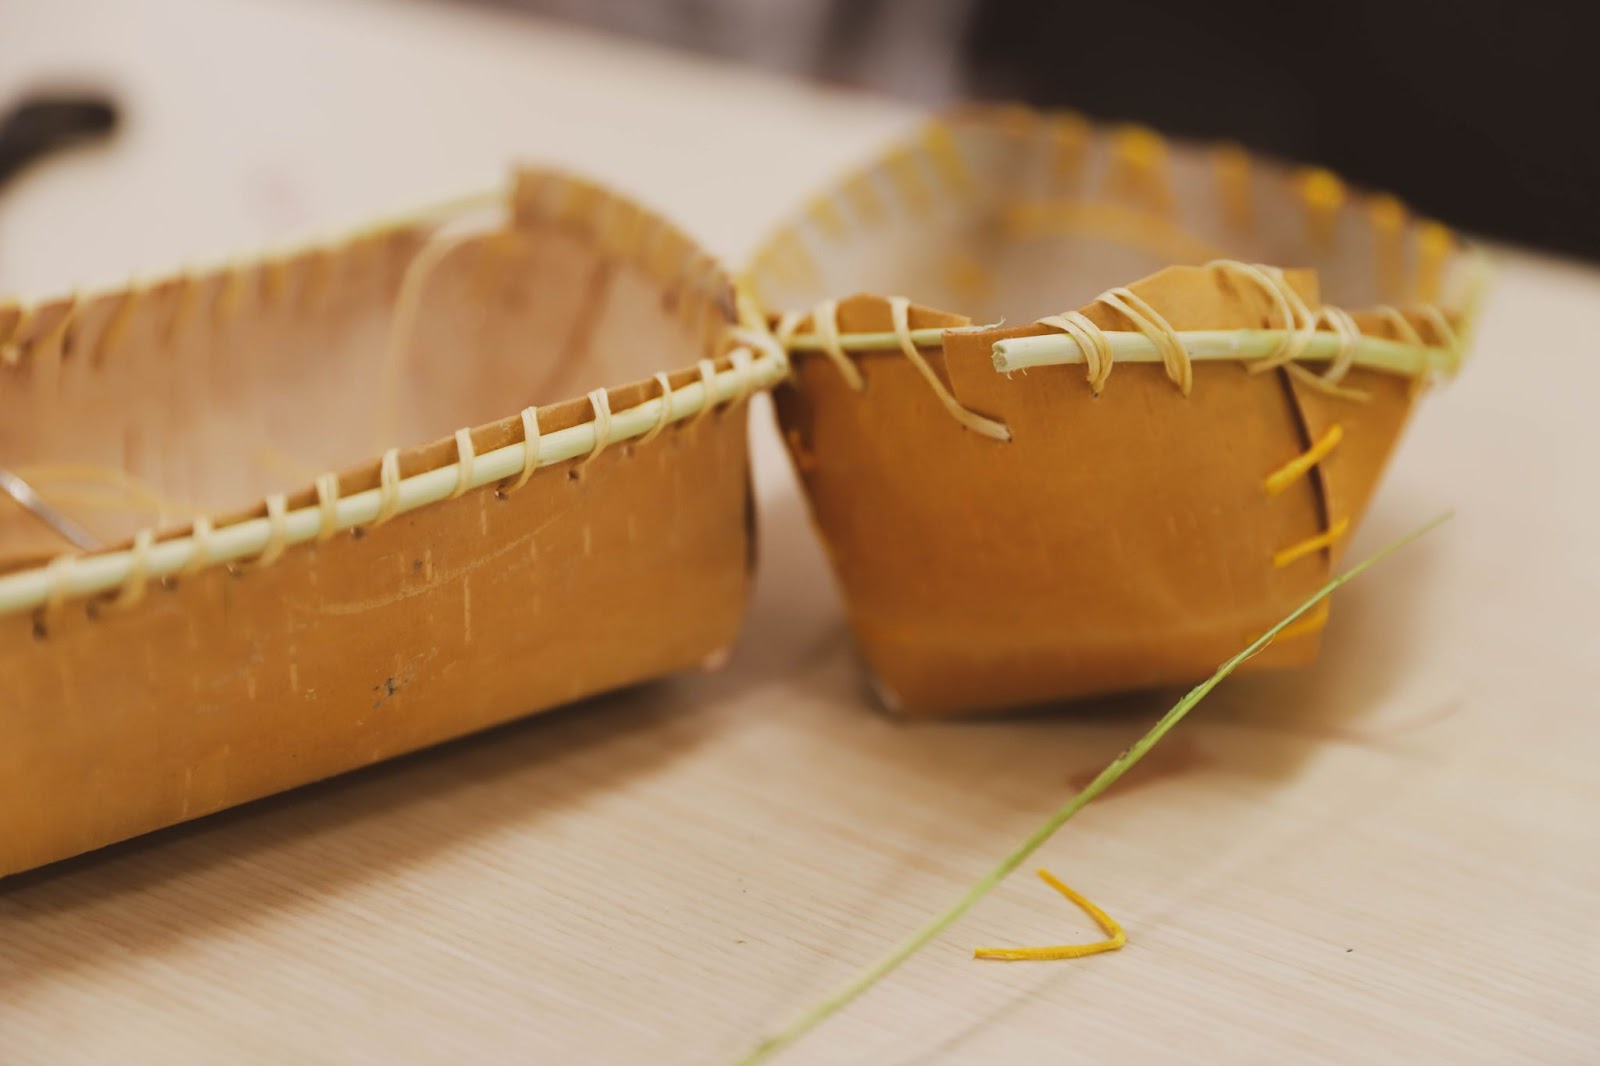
(1115, 937)
(1310, 545)
(1295, 468)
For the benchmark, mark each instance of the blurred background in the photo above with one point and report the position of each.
(1480, 112)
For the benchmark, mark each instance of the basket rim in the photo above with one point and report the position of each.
(1420, 338)
(740, 359)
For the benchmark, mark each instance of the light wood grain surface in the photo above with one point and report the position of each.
(1392, 857)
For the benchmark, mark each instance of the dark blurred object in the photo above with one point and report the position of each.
(45, 124)
(1480, 113)
(1477, 112)
(905, 47)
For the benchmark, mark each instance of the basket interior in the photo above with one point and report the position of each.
(199, 395)
(1006, 215)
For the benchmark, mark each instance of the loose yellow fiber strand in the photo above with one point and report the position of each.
(1115, 937)
(783, 1038)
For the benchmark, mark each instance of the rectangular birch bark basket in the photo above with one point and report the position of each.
(231, 640)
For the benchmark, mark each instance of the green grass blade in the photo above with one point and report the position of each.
(783, 1038)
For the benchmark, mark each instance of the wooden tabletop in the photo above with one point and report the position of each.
(1392, 857)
